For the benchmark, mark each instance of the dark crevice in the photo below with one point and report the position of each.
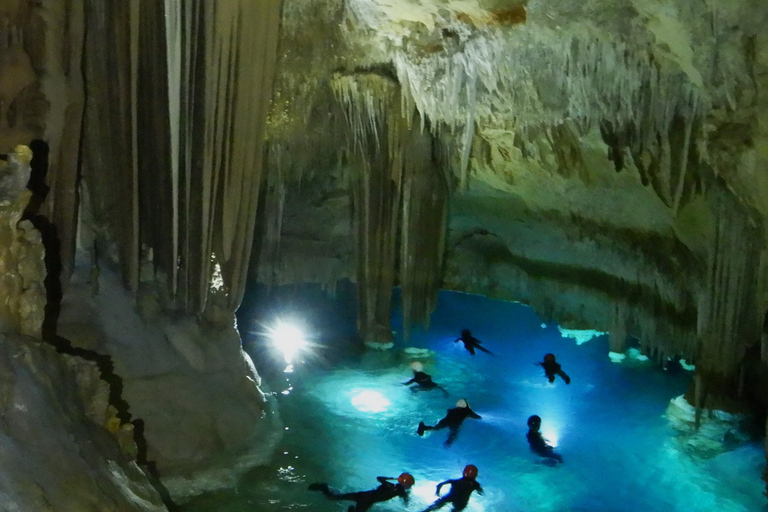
(54, 294)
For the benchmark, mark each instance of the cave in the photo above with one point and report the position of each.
(178, 174)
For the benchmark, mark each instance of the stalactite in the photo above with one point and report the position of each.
(218, 84)
(107, 145)
(730, 316)
(399, 197)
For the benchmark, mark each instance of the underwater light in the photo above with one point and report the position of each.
(550, 435)
(288, 339)
(368, 400)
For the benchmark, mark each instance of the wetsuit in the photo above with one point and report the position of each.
(423, 381)
(364, 500)
(552, 368)
(540, 447)
(453, 420)
(471, 343)
(461, 489)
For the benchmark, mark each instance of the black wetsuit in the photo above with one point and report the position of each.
(471, 343)
(364, 500)
(423, 381)
(453, 420)
(461, 489)
(540, 447)
(552, 368)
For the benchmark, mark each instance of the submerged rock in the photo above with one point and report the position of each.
(717, 431)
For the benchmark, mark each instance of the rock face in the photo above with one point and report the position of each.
(187, 387)
(55, 449)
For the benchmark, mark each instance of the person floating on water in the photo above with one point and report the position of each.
(364, 500)
(536, 441)
(552, 368)
(461, 489)
(470, 342)
(422, 380)
(453, 420)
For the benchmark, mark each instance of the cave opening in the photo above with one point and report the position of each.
(348, 418)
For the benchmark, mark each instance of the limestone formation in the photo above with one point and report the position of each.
(22, 270)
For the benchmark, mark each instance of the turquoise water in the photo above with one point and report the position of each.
(349, 419)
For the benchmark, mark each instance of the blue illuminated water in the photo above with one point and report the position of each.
(349, 419)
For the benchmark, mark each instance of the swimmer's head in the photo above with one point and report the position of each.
(549, 358)
(465, 333)
(470, 471)
(534, 422)
(462, 403)
(417, 366)
(406, 480)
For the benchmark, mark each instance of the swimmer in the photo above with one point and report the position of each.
(470, 342)
(552, 368)
(422, 380)
(364, 500)
(452, 421)
(536, 441)
(461, 489)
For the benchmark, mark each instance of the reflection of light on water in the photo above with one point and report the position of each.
(550, 434)
(368, 400)
(425, 490)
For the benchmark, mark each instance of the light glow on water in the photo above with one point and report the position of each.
(369, 400)
(354, 420)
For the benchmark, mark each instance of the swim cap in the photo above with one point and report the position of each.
(462, 403)
(406, 480)
(417, 366)
(534, 421)
(470, 471)
(549, 357)
(465, 332)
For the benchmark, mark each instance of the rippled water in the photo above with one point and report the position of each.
(349, 419)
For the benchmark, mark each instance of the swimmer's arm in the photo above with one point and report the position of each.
(383, 479)
(479, 488)
(473, 414)
(440, 486)
(409, 382)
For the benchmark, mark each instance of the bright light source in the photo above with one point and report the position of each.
(288, 339)
(425, 489)
(550, 435)
(368, 400)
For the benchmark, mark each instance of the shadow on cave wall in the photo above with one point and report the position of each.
(54, 294)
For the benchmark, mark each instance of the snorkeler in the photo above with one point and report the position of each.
(453, 420)
(536, 441)
(364, 500)
(470, 342)
(422, 380)
(552, 368)
(461, 489)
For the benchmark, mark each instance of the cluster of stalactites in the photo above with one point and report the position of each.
(730, 316)
(537, 77)
(399, 200)
(217, 85)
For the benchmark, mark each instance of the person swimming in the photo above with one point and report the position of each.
(537, 443)
(364, 500)
(422, 380)
(452, 421)
(461, 489)
(470, 342)
(552, 368)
